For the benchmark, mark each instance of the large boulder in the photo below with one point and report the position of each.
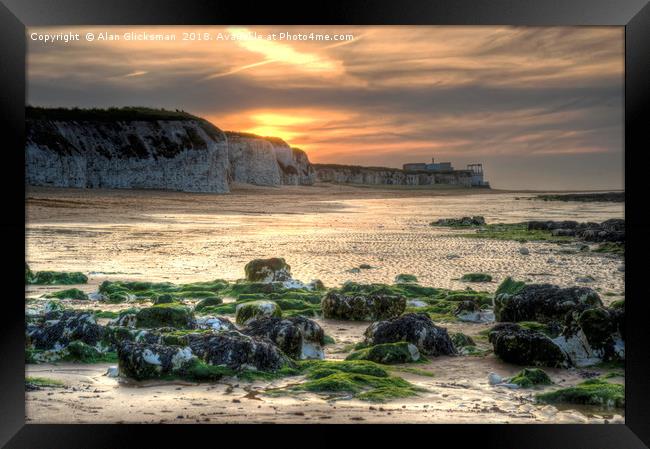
(298, 337)
(145, 361)
(274, 269)
(165, 315)
(237, 351)
(361, 306)
(58, 328)
(514, 344)
(415, 328)
(593, 336)
(542, 302)
(251, 310)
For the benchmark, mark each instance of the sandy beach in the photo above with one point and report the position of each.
(324, 232)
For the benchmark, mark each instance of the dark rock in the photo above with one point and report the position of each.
(513, 344)
(145, 361)
(281, 332)
(543, 302)
(166, 315)
(550, 225)
(237, 351)
(59, 328)
(594, 335)
(297, 337)
(563, 232)
(612, 230)
(274, 269)
(362, 307)
(415, 328)
(476, 220)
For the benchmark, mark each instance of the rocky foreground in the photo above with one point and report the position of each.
(266, 326)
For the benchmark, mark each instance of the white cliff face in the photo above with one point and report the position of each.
(349, 174)
(187, 155)
(267, 161)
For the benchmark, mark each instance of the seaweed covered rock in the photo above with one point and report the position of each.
(529, 377)
(415, 328)
(593, 336)
(249, 311)
(70, 293)
(210, 301)
(388, 353)
(57, 329)
(165, 298)
(461, 340)
(141, 361)
(56, 278)
(274, 269)
(165, 315)
(298, 337)
(237, 351)
(612, 230)
(475, 220)
(406, 279)
(514, 344)
(541, 302)
(476, 277)
(590, 392)
(362, 307)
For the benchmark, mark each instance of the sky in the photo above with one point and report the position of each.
(540, 107)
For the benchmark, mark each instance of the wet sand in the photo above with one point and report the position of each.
(322, 232)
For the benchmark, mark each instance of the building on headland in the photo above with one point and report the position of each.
(473, 172)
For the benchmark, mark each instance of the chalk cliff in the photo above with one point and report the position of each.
(267, 161)
(141, 148)
(352, 174)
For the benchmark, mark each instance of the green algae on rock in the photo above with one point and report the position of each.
(529, 377)
(71, 293)
(248, 311)
(56, 278)
(210, 301)
(590, 392)
(274, 269)
(363, 380)
(476, 277)
(119, 291)
(406, 279)
(165, 315)
(388, 353)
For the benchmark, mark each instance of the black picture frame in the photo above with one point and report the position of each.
(15, 15)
